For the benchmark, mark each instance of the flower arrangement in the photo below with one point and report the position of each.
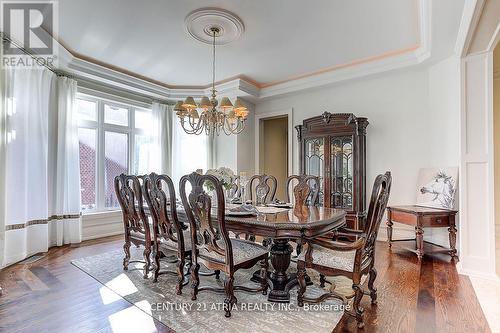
(224, 175)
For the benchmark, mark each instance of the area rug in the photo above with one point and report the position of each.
(251, 313)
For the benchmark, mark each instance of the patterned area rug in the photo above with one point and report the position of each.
(251, 313)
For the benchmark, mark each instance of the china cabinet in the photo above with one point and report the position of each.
(332, 146)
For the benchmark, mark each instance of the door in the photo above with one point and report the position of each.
(274, 151)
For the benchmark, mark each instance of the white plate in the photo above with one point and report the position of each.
(285, 205)
(229, 213)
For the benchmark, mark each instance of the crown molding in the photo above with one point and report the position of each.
(470, 18)
(90, 69)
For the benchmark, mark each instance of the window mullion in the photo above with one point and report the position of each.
(131, 141)
(101, 158)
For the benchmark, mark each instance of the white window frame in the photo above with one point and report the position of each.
(101, 128)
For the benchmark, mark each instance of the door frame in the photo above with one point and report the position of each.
(258, 132)
(477, 213)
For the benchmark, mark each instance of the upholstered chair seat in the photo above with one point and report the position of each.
(343, 260)
(141, 235)
(173, 245)
(243, 251)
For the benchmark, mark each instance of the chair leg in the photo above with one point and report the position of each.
(229, 291)
(195, 280)
(322, 281)
(358, 311)
(156, 256)
(264, 264)
(301, 277)
(147, 259)
(180, 275)
(371, 280)
(126, 249)
(298, 249)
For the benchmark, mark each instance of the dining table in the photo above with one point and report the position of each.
(281, 225)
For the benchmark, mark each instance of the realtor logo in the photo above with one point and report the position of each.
(28, 28)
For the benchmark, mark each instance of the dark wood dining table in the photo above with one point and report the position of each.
(292, 224)
(288, 224)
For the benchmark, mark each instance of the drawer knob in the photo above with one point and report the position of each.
(439, 221)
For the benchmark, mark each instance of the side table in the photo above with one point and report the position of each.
(420, 218)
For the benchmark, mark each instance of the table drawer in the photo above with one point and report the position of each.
(435, 221)
(404, 217)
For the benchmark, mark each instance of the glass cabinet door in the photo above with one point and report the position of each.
(341, 190)
(314, 159)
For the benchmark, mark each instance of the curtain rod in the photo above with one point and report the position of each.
(7, 39)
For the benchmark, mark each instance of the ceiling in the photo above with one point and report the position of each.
(282, 38)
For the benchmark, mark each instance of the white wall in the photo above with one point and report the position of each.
(410, 126)
(444, 104)
(237, 151)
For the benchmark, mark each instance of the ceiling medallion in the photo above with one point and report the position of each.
(200, 23)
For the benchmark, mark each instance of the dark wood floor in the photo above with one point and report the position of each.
(51, 295)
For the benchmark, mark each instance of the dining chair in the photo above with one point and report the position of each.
(350, 259)
(169, 234)
(264, 187)
(137, 228)
(211, 243)
(305, 192)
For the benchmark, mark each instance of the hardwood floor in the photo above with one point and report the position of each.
(51, 295)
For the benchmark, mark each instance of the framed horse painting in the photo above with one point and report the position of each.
(437, 187)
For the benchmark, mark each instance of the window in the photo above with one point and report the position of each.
(197, 148)
(114, 138)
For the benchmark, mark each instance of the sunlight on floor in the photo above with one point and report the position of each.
(122, 284)
(108, 296)
(131, 319)
(488, 294)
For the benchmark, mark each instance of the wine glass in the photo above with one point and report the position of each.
(243, 185)
(261, 195)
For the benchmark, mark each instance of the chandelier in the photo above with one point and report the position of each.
(209, 115)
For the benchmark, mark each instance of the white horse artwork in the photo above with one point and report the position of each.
(439, 190)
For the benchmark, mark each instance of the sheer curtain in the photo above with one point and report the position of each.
(40, 177)
(163, 115)
(189, 152)
(64, 166)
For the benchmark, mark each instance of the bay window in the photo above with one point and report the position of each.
(114, 138)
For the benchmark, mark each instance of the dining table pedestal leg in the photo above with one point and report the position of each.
(280, 281)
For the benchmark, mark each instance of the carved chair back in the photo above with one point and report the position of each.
(207, 232)
(160, 194)
(305, 192)
(378, 203)
(129, 193)
(265, 184)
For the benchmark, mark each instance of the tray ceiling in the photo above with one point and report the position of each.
(282, 40)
